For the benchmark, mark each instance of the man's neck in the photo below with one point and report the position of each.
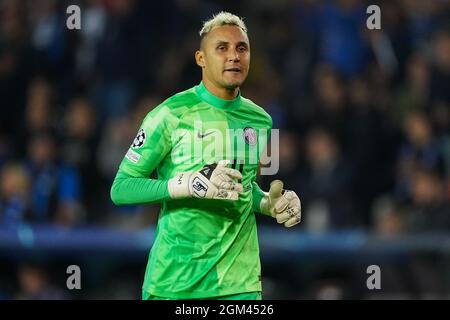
(222, 93)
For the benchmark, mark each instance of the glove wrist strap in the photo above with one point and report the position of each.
(178, 186)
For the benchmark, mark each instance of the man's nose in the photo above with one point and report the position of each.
(234, 56)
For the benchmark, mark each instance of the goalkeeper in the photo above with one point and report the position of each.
(206, 243)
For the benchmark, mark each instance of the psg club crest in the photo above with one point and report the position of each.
(250, 136)
(139, 140)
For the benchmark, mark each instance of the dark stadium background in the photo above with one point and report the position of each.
(365, 141)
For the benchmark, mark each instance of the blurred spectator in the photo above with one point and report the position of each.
(94, 22)
(440, 77)
(388, 219)
(373, 172)
(428, 213)
(326, 178)
(341, 43)
(35, 285)
(78, 134)
(420, 149)
(328, 290)
(16, 63)
(55, 190)
(429, 210)
(51, 39)
(329, 105)
(5, 150)
(424, 17)
(414, 92)
(79, 142)
(440, 81)
(113, 90)
(391, 45)
(39, 113)
(14, 195)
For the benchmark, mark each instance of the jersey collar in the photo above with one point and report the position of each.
(217, 102)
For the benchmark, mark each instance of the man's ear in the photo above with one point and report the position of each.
(200, 58)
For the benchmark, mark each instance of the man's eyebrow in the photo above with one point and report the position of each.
(240, 43)
(221, 42)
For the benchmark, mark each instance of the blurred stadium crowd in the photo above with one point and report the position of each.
(364, 115)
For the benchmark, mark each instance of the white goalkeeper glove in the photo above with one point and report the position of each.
(283, 206)
(213, 181)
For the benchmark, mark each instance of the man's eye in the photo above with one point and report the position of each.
(242, 49)
(221, 48)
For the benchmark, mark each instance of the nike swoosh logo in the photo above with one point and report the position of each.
(201, 136)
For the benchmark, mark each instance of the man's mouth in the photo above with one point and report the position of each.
(233, 70)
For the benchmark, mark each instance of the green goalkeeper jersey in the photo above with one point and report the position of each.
(202, 248)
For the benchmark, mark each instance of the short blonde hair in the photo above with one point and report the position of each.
(223, 18)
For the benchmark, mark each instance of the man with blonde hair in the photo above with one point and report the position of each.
(206, 243)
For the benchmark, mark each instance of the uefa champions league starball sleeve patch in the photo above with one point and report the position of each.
(139, 140)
